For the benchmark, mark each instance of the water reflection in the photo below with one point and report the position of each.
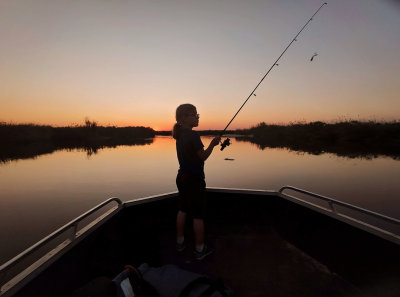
(32, 150)
(39, 195)
(352, 152)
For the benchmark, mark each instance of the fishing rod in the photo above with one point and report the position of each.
(227, 142)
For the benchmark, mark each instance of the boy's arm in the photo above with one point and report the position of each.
(203, 154)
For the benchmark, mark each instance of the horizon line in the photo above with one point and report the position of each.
(74, 125)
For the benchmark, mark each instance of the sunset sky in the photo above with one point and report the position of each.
(132, 62)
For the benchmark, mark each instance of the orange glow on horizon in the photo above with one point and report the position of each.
(158, 125)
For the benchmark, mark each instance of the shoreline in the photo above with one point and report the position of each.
(348, 139)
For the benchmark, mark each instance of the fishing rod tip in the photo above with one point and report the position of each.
(325, 3)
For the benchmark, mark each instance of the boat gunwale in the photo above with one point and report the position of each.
(53, 254)
(331, 211)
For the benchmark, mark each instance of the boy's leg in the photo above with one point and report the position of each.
(180, 225)
(198, 228)
(201, 250)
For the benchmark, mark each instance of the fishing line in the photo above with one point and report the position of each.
(226, 142)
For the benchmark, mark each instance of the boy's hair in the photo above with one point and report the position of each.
(181, 112)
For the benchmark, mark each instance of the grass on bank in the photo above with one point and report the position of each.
(22, 141)
(22, 134)
(346, 138)
(369, 137)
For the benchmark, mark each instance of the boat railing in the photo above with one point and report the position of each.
(43, 253)
(378, 224)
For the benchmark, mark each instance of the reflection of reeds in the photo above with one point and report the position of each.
(350, 138)
(29, 140)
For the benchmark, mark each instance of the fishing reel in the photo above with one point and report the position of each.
(227, 142)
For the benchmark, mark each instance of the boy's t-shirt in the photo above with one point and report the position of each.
(187, 146)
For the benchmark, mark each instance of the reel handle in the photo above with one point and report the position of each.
(225, 143)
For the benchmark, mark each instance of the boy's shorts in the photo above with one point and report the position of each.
(192, 198)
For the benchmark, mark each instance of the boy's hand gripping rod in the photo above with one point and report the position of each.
(226, 142)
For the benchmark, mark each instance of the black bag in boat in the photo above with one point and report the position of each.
(172, 281)
(167, 281)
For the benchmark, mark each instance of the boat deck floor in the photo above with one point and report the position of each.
(255, 260)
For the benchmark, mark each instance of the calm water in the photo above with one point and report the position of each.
(39, 195)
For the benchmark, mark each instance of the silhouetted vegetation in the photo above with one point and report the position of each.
(351, 139)
(201, 132)
(29, 140)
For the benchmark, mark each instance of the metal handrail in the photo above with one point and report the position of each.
(72, 224)
(349, 219)
(332, 201)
